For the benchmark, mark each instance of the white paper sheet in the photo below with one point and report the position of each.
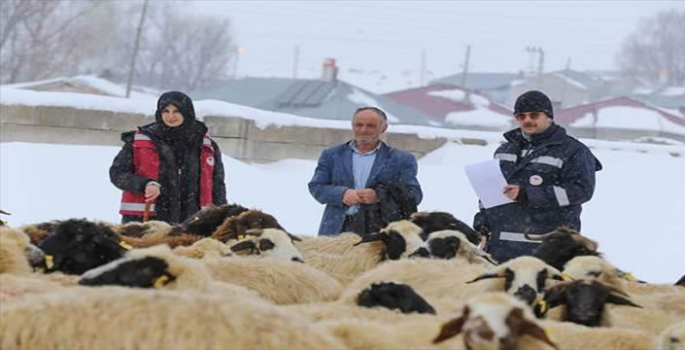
(487, 180)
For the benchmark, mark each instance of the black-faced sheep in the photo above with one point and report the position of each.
(394, 296)
(269, 242)
(431, 221)
(524, 277)
(495, 321)
(17, 254)
(562, 245)
(450, 244)
(401, 239)
(584, 301)
(235, 227)
(206, 221)
(75, 246)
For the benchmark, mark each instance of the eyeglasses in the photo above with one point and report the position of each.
(532, 116)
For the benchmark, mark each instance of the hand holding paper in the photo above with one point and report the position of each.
(487, 180)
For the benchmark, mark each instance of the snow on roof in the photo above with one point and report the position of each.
(571, 81)
(673, 91)
(622, 117)
(91, 81)
(479, 117)
(459, 95)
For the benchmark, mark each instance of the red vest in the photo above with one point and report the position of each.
(146, 164)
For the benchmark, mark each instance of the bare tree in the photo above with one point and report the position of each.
(657, 47)
(182, 51)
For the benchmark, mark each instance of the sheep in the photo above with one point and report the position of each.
(282, 282)
(158, 267)
(524, 277)
(269, 242)
(448, 244)
(77, 245)
(234, 227)
(399, 239)
(571, 336)
(124, 318)
(206, 221)
(38, 232)
(431, 221)
(496, 321)
(672, 338)
(584, 301)
(562, 245)
(17, 254)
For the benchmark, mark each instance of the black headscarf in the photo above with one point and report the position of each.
(184, 103)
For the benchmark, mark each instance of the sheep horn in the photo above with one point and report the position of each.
(254, 232)
(418, 214)
(293, 237)
(244, 245)
(372, 237)
(620, 300)
(590, 244)
(541, 237)
(487, 276)
(4, 212)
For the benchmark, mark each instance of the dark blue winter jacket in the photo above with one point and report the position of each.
(333, 176)
(557, 175)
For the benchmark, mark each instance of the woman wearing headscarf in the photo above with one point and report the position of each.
(172, 165)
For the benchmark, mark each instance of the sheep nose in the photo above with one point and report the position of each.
(296, 259)
(421, 252)
(527, 294)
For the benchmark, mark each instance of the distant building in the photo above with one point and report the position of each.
(457, 107)
(494, 85)
(325, 98)
(621, 118)
(84, 84)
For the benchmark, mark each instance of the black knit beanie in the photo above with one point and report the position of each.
(534, 101)
(178, 99)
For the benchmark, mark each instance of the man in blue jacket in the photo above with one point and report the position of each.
(549, 176)
(346, 174)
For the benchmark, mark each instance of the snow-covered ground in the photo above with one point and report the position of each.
(637, 214)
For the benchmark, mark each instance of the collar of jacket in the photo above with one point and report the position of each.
(553, 134)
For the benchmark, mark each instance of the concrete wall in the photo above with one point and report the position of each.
(238, 138)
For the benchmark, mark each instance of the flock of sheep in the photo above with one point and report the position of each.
(233, 278)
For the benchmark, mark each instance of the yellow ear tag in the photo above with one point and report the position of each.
(49, 261)
(125, 245)
(548, 332)
(566, 277)
(544, 306)
(241, 237)
(161, 281)
(629, 276)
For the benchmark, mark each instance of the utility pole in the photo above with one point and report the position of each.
(541, 64)
(135, 50)
(238, 51)
(296, 61)
(467, 58)
(422, 71)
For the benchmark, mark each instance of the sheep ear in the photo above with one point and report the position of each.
(450, 329)
(487, 276)
(555, 296)
(243, 245)
(293, 237)
(619, 300)
(526, 327)
(372, 237)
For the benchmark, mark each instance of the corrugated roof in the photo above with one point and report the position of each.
(335, 100)
(479, 81)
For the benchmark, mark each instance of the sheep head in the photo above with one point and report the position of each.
(401, 239)
(236, 226)
(394, 296)
(584, 300)
(432, 221)
(525, 278)
(206, 221)
(448, 244)
(270, 242)
(77, 245)
(494, 321)
(672, 338)
(562, 245)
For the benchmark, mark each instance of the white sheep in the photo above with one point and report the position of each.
(672, 338)
(124, 318)
(205, 248)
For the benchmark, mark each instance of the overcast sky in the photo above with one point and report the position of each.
(390, 35)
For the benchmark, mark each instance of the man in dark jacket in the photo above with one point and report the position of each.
(549, 176)
(347, 175)
(171, 166)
